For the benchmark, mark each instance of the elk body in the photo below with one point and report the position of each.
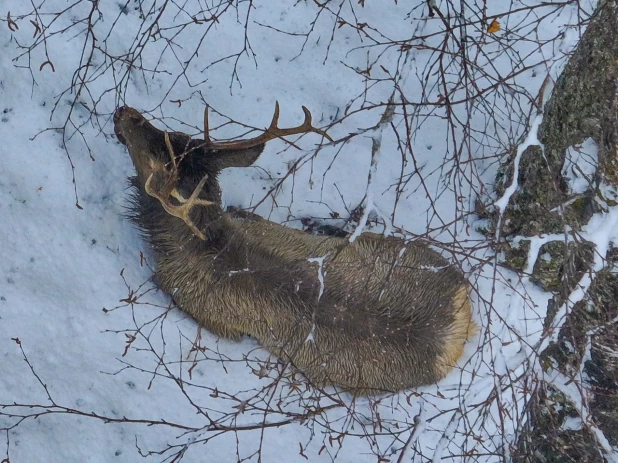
(375, 315)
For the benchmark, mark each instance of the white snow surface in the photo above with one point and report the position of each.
(580, 165)
(96, 363)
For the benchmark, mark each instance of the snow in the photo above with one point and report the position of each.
(580, 166)
(321, 274)
(531, 140)
(114, 372)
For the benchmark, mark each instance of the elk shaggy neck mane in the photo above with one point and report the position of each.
(371, 316)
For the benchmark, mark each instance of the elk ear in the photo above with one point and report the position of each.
(237, 158)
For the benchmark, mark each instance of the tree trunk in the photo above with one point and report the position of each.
(583, 105)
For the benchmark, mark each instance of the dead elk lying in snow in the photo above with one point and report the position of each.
(374, 315)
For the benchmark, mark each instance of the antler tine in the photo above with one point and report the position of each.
(275, 120)
(275, 132)
(182, 211)
(170, 150)
(169, 189)
(206, 126)
(272, 132)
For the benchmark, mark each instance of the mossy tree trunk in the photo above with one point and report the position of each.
(583, 105)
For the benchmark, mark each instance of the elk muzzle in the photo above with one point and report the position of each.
(145, 143)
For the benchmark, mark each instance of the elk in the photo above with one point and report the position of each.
(375, 315)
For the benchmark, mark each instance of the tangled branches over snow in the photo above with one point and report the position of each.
(425, 103)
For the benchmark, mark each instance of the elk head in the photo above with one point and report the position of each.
(180, 172)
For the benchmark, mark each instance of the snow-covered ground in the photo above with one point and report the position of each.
(94, 364)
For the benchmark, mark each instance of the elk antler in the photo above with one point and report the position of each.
(169, 189)
(270, 133)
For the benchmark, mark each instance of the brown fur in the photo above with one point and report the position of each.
(390, 315)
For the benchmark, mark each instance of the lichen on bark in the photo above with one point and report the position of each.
(544, 438)
(583, 104)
